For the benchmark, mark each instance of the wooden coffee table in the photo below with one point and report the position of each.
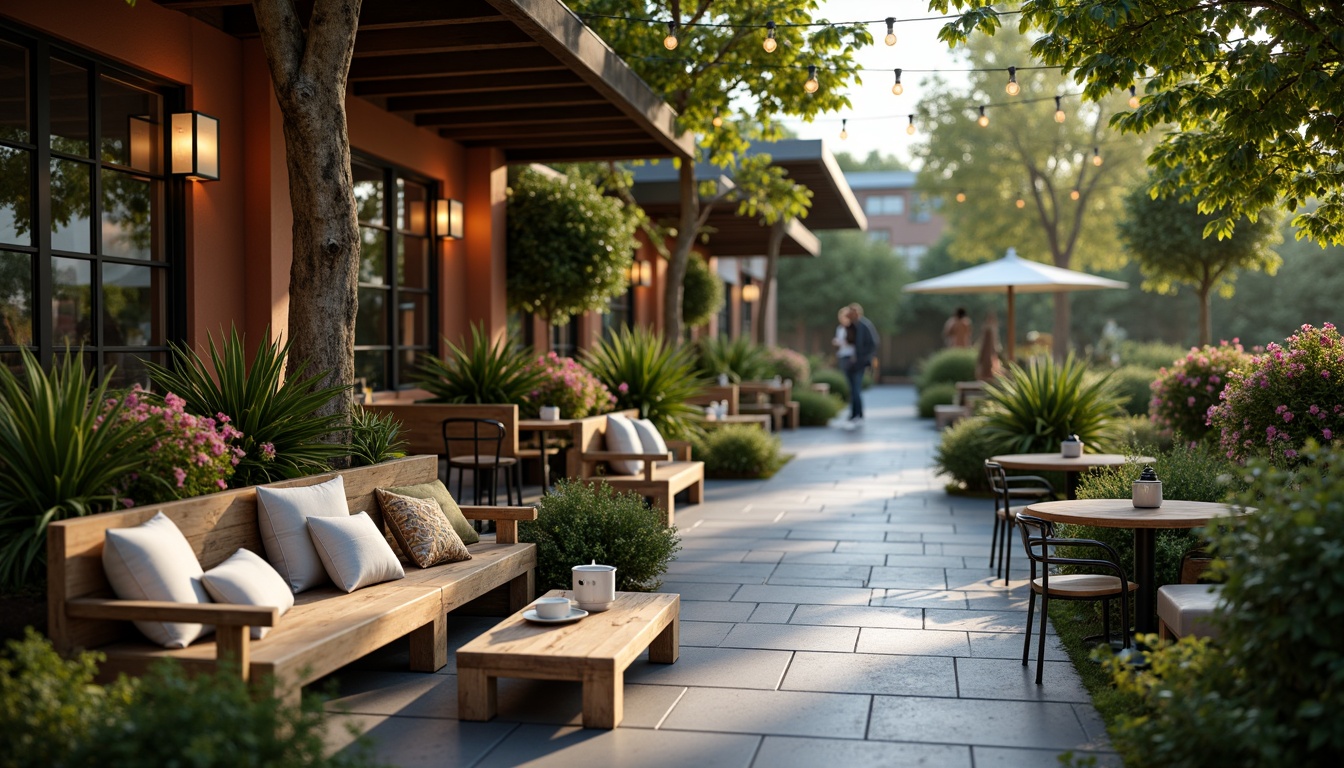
(595, 651)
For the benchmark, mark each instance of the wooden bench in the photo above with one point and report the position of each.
(761, 420)
(968, 392)
(595, 650)
(664, 475)
(325, 630)
(776, 400)
(711, 394)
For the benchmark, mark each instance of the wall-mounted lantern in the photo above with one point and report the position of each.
(641, 274)
(448, 218)
(195, 149)
(751, 293)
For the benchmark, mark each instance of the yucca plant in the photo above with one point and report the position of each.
(282, 435)
(1031, 409)
(374, 437)
(644, 372)
(64, 452)
(486, 372)
(741, 359)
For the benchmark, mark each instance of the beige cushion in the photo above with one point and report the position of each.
(353, 551)
(421, 529)
(282, 515)
(622, 438)
(1187, 608)
(437, 492)
(154, 561)
(247, 579)
(650, 439)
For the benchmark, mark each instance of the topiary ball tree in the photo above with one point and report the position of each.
(569, 245)
(702, 295)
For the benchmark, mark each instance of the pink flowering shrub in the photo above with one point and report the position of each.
(195, 456)
(788, 364)
(1288, 394)
(1185, 390)
(567, 385)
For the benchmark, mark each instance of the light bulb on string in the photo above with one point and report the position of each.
(984, 119)
(670, 42)
(811, 85)
(961, 197)
(910, 127)
(1012, 88)
(1133, 97)
(1059, 111)
(898, 89)
(718, 119)
(1074, 194)
(1096, 156)
(844, 128)
(890, 39)
(1021, 203)
(770, 43)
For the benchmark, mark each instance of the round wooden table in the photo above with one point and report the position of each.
(1054, 462)
(1121, 513)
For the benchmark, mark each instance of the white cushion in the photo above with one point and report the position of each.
(649, 437)
(622, 438)
(247, 579)
(154, 561)
(353, 550)
(1187, 609)
(282, 514)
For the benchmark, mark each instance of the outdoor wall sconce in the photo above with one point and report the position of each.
(641, 274)
(195, 148)
(448, 218)
(751, 293)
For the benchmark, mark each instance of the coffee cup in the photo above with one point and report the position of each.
(552, 607)
(550, 413)
(594, 586)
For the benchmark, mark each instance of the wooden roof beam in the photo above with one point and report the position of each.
(477, 83)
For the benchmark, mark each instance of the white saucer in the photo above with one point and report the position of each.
(574, 615)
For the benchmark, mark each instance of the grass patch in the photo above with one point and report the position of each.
(1074, 621)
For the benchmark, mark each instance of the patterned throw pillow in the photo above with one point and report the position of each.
(421, 529)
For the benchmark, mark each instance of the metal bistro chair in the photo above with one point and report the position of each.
(1072, 586)
(1006, 491)
(486, 440)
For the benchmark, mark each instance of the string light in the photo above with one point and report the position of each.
(910, 127)
(1133, 97)
(670, 42)
(1059, 111)
(811, 85)
(718, 119)
(984, 119)
(844, 129)
(898, 89)
(1012, 88)
(1074, 194)
(1096, 156)
(961, 197)
(1021, 203)
(890, 39)
(770, 44)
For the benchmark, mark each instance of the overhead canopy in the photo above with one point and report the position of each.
(731, 235)
(525, 76)
(811, 164)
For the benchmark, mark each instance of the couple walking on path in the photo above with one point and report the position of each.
(856, 343)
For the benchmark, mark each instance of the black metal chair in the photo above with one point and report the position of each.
(1071, 586)
(484, 457)
(1008, 489)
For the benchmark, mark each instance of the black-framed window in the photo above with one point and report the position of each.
(90, 229)
(726, 311)
(620, 313)
(397, 319)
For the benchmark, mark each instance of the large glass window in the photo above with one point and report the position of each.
(86, 259)
(884, 205)
(620, 314)
(396, 319)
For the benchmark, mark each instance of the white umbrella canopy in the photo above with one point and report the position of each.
(1012, 275)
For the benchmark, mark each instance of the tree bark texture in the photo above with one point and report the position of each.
(309, 71)
(687, 227)
(771, 269)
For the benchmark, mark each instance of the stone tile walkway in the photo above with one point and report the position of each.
(839, 613)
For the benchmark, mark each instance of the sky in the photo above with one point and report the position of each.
(878, 118)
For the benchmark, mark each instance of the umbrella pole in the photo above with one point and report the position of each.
(1012, 326)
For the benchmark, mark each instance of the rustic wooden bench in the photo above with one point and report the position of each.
(595, 650)
(967, 392)
(325, 630)
(664, 475)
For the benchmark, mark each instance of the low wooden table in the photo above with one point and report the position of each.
(595, 651)
(761, 420)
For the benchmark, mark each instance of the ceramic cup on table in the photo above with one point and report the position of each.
(552, 607)
(594, 586)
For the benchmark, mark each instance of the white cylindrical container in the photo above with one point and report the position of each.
(1071, 447)
(550, 413)
(594, 586)
(1148, 490)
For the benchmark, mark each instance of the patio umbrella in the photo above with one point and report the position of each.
(1012, 275)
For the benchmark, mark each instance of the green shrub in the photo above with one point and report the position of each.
(1150, 354)
(1140, 434)
(741, 359)
(942, 393)
(63, 453)
(835, 379)
(816, 409)
(787, 364)
(1033, 408)
(961, 454)
(282, 437)
(374, 437)
(578, 523)
(486, 372)
(739, 451)
(644, 372)
(702, 293)
(1270, 691)
(947, 366)
(53, 714)
(1133, 384)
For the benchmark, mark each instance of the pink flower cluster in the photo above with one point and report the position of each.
(1184, 392)
(568, 386)
(195, 455)
(789, 364)
(1288, 394)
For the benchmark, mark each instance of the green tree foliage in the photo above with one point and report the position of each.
(1167, 237)
(1249, 88)
(703, 295)
(875, 161)
(851, 269)
(569, 245)
(1024, 154)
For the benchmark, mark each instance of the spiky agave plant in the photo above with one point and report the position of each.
(741, 359)
(1032, 408)
(485, 372)
(646, 373)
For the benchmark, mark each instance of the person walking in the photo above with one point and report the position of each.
(865, 346)
(844, 340)
(957, 329)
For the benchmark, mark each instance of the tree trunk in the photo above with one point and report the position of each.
(309, 71)
(1205, 319)
(687, 227)
(771, 269)
(1060, 342)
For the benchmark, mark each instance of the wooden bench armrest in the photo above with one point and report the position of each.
(506, 520)
(219, 614)
(681, 449)
(596, 456)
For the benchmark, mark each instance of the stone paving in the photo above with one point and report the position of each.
(840, 612)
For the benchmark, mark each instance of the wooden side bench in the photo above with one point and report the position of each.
(325, 630)
(595, 650)
(664, 475)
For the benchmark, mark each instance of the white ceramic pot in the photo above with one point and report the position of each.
(594, 586)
